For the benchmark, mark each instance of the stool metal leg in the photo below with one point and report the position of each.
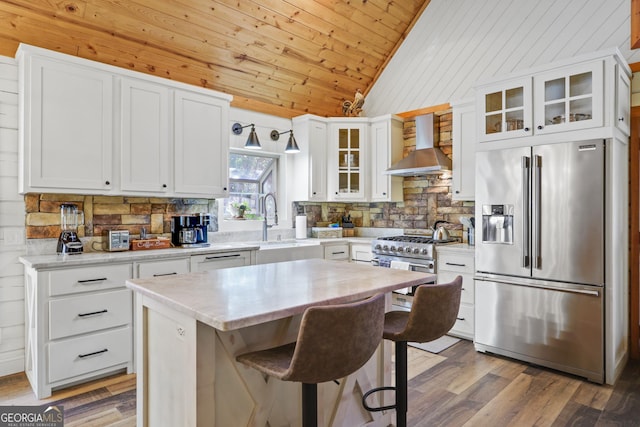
(309, 405)
(401, 384)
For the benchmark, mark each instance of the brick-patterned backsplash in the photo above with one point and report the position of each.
(108, 213)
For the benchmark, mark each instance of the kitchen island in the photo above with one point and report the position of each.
(190, 328)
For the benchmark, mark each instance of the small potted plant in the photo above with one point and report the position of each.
(238, 209)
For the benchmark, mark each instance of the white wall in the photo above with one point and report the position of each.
(457, 42)
(12, 229)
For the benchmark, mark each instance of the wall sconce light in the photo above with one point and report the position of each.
(292, 145)
(252, 142)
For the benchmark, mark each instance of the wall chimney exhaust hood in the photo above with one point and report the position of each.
(426, 159)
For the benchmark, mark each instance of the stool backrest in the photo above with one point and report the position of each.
(337, 340)
(433, 312)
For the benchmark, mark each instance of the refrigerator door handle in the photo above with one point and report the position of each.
(537, 177)
(594, 293)
(525, 209)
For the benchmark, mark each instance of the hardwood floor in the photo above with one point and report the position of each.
(458, 387)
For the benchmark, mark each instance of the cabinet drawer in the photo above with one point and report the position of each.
(337, 252)
(460, 263)
(465, 323)
(77, 356)
(165, 267)
(88, 313)
(468, 285)
(86, 279)
(220, 260)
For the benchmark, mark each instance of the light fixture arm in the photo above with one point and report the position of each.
(252, 142)
(236, 128)
(275, 135)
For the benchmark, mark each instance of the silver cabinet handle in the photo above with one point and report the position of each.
(165, 274)
(456, 264)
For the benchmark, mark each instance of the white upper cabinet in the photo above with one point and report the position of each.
(566, 99)
(201, 146)
(67, 128)
(464, 135)
(347, 159)
(385, 136)
(144, 144)
(91, 128)
(310, 164)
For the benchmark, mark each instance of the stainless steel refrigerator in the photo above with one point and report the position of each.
(540, 262)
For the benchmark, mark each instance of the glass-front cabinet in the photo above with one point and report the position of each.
(563, 99)
(569, 98)
(347, 161)
(506, 110)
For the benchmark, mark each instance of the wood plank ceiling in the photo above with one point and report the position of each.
(279, 57)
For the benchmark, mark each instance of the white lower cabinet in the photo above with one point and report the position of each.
(454, 260)
(162, 267)
(339, 252)
(361, 252)
(221, 260)
(79, 325)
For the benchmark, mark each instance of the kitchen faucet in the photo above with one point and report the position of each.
(264, 212)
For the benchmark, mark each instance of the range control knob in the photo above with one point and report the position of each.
(416, 251)
(385, 248)
(392, 249)
(407, 250)
(424, 251)
(377, 247)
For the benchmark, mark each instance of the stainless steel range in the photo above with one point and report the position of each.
(417, 251)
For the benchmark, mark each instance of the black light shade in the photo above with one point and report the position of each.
(292, 145)
(252, 142)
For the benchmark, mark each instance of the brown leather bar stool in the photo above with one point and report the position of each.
(333, 342)
(433, 313)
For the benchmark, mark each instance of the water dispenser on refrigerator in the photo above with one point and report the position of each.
(497, 224)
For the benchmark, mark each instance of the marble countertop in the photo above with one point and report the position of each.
(239, 297)
(457, 246)
(60, 261)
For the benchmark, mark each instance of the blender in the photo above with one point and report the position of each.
(68, 242)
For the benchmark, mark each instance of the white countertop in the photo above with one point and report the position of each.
(239, 297)
(59, 260)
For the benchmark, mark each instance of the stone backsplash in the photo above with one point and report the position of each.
(108, 212)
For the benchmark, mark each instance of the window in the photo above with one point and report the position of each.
(250, 177)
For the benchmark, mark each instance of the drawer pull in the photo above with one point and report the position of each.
(456, 264)
(89, 281)
(104, 350)
(210, 258)
(165, 274)
(337, 253)
(460, 318)
(93, 313)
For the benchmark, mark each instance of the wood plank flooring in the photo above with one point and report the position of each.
(458, 387)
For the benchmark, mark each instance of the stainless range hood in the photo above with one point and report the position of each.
(426, 159)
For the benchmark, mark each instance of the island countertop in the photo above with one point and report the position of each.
(233, 298)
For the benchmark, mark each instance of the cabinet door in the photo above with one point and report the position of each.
(310, 164)
(68, 132)
(504, 110)
(386, 149)
(569, 98)
(144, 155)
(623, 102)
(201, 145)
(463, 182)
(347, 161)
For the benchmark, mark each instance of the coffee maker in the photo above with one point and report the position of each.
(69, 242)
(190, 231)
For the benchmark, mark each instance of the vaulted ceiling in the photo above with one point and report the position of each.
(282, 57)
